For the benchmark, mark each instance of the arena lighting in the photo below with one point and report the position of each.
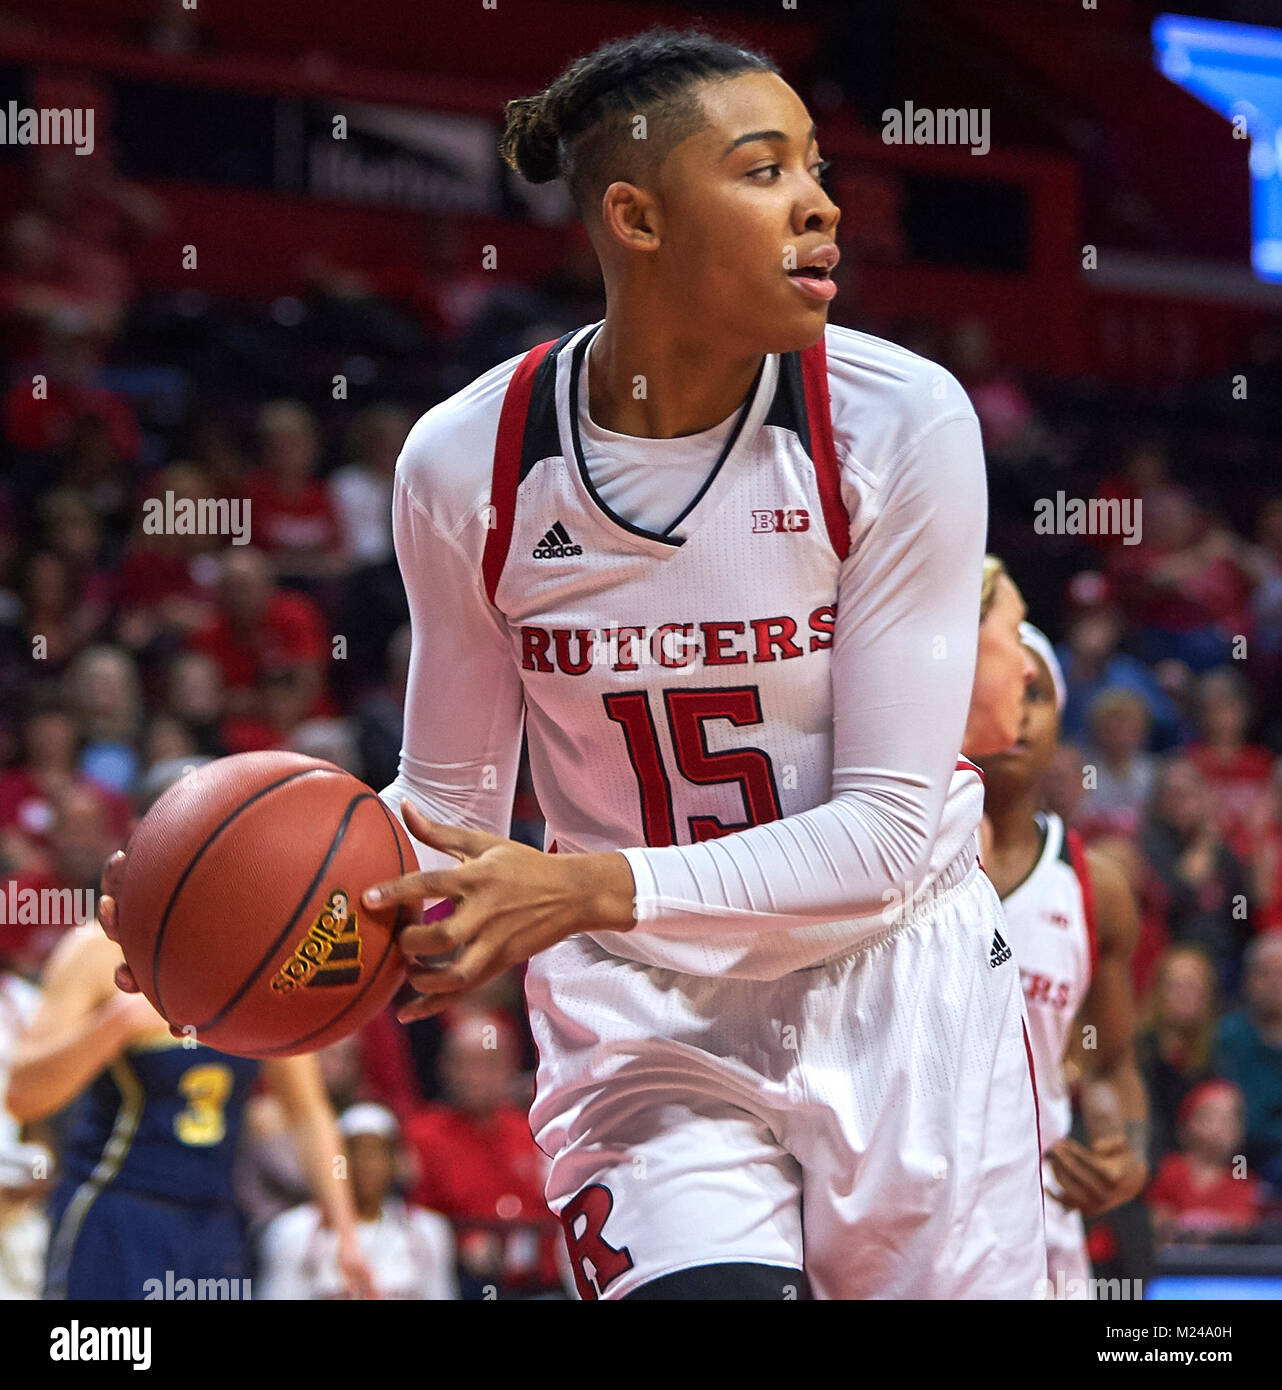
(1236, 69)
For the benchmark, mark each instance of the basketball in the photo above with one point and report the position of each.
(240, 912)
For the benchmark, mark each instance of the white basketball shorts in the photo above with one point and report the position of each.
(870, 1121)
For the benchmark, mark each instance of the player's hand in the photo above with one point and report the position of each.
(510, 901)
(113, 873)
(1097, 1179)
(357, 1278)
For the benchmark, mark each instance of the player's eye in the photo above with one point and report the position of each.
(774, 169)
(820, 169)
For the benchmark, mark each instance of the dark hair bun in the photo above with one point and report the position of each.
(530, 142)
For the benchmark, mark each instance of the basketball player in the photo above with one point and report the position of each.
(1003, 665)
(1072, 923)
(146, 1169)
(722, 562)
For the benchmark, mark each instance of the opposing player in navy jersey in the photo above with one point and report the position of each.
(1072, 923)
(144, 1198)
(721, 561)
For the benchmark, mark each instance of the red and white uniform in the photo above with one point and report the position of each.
(761, 706)
(1051, 919)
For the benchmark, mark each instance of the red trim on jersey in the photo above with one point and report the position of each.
(1077, 853)
(814, 376)
(552, 847)
(507, 464)
(965, 765)
(1037, 1109)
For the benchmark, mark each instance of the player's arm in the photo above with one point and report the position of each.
(81, 1025)
(297, 1084)
(1115, 1166)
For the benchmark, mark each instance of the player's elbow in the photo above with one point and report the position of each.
(23, 1099)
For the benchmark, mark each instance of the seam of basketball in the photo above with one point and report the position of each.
(399, 926)
(283, 935)
(195, 859)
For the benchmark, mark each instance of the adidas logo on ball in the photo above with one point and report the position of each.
(330, 953)
(556, 544)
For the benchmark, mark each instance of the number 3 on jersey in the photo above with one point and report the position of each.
(688, 712)
(206, 1088)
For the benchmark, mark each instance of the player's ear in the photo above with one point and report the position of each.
(630, 217)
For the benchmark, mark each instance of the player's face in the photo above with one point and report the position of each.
(1002, 666)
(740, 206)
(1029, 758)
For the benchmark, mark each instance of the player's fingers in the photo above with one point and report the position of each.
(125, 980)
(438, 934)
(413, 888)
(107, 918)
(457, 840)
(1070, 1170)
(113, 873)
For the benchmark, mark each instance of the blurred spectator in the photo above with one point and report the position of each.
(1205, 1192)
(1238, 774)
(263, 630)
(294, 520)
(1092, 664)
(1265, 833)
(1123, 773)
(1249, 1053)
(81, 838)
(361, 491)
(194, 694)
(1007, 420)
(106, 695)
(73, 532)
(410, 1252)
(46, 768)
(167, 740)
(54, 628)
(479, 1166)
(1205, 885)
(1187, 586)
(1176, 1040)
(165, 584)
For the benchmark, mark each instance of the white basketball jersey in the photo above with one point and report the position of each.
(1052, 931)
(677, 686)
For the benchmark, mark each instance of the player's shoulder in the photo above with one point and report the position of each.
(885, 396)
(446, 462)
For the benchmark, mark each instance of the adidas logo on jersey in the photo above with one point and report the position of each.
(1000, 953)
(556, 544)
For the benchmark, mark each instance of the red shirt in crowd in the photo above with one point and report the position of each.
(1236, 784)
(285, 521)
(24, 805)
(42, 425)
(1229, 1203)
(487, 1177)
(292, 631)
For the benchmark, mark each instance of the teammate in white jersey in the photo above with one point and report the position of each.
(1072, 923)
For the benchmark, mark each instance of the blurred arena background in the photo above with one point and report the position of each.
(293, 235)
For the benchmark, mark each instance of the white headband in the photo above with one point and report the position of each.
(1037, 641)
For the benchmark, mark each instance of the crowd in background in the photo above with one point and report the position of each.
(123, 650)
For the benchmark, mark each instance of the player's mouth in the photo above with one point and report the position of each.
(815, 277)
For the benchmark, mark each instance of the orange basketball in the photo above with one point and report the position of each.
(240, 911)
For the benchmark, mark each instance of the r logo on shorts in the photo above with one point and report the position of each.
(596, 1263)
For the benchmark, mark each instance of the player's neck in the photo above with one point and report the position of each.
(661, 382)
(1015, 830)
